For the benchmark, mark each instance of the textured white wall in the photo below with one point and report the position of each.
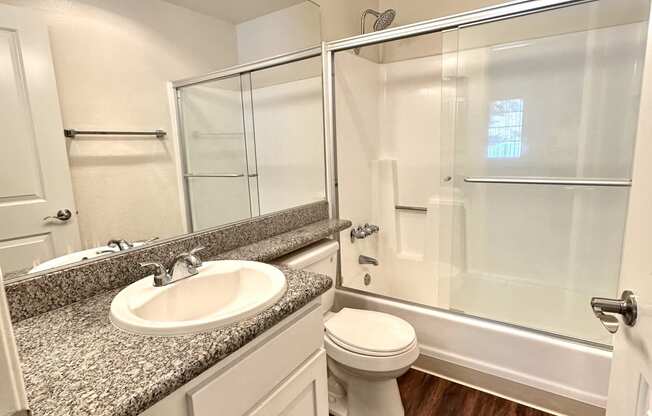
(286, 30)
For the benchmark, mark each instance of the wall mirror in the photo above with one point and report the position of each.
(246, 138)
(145, 158)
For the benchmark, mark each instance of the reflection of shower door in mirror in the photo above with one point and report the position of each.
(218, 146)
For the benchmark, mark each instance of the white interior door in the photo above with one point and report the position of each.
(34, 172)
(630, 384)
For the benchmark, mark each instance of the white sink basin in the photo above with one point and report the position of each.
(222, 293)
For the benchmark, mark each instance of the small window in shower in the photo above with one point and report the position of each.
(505, 129)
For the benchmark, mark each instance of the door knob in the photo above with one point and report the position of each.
(62, 215)
(625, 307)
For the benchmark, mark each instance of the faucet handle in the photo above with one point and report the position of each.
(161, 276)
(121, 244)
(160, 269)
(371, 228)
(197, 250)
(193, 259)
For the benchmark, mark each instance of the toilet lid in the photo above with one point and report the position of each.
(370, 333)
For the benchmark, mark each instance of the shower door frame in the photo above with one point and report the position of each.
(499, 12)
(174, 98)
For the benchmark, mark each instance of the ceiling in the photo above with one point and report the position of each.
(235, 11)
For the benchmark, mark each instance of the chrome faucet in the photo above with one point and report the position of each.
(362, 259)
(370, 229)
(363, 231)
(357, 233)
(122, 244)
(183, 266)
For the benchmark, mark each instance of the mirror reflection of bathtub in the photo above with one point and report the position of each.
(82, 255)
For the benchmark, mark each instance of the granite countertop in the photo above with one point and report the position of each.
(279, 245)
(75, 362)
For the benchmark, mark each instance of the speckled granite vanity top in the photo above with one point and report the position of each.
(75, 362)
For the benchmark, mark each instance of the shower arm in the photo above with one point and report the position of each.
(363, 18)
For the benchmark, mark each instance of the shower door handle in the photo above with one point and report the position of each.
(625, 307)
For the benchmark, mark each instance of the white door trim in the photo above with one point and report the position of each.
(12, 388)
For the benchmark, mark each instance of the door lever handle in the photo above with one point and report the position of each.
(625, 306)
(62, 215)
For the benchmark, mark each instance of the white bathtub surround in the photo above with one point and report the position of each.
(487, 260)
(383, 190)
(289, 135)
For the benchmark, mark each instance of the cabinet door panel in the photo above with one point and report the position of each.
(240, 387)
(304, 393)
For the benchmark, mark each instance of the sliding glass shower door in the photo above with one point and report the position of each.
(219, 152)
(545, 123)
(495, 156)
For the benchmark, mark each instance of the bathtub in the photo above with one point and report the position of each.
(552, 364)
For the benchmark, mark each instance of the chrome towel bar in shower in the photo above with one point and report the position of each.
(410, 208)
(547, 181)
(219, 175)
(72, 133)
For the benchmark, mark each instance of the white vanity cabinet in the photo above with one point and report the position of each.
(281, 372)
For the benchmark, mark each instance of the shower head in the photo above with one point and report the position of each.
(383, 20)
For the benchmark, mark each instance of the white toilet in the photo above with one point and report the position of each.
(366, 350)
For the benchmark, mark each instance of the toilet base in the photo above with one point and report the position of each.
(363, 395)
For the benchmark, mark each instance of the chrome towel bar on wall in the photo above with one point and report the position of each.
(72, 133)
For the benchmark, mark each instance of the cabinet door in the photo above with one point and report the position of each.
(304, 393)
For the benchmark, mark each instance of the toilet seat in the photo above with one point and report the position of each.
(371, 333)
(370, 341)
(370, 363)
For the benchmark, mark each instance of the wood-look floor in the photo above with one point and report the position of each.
(427, 395)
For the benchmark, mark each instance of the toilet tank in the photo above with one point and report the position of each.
(321, 258)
